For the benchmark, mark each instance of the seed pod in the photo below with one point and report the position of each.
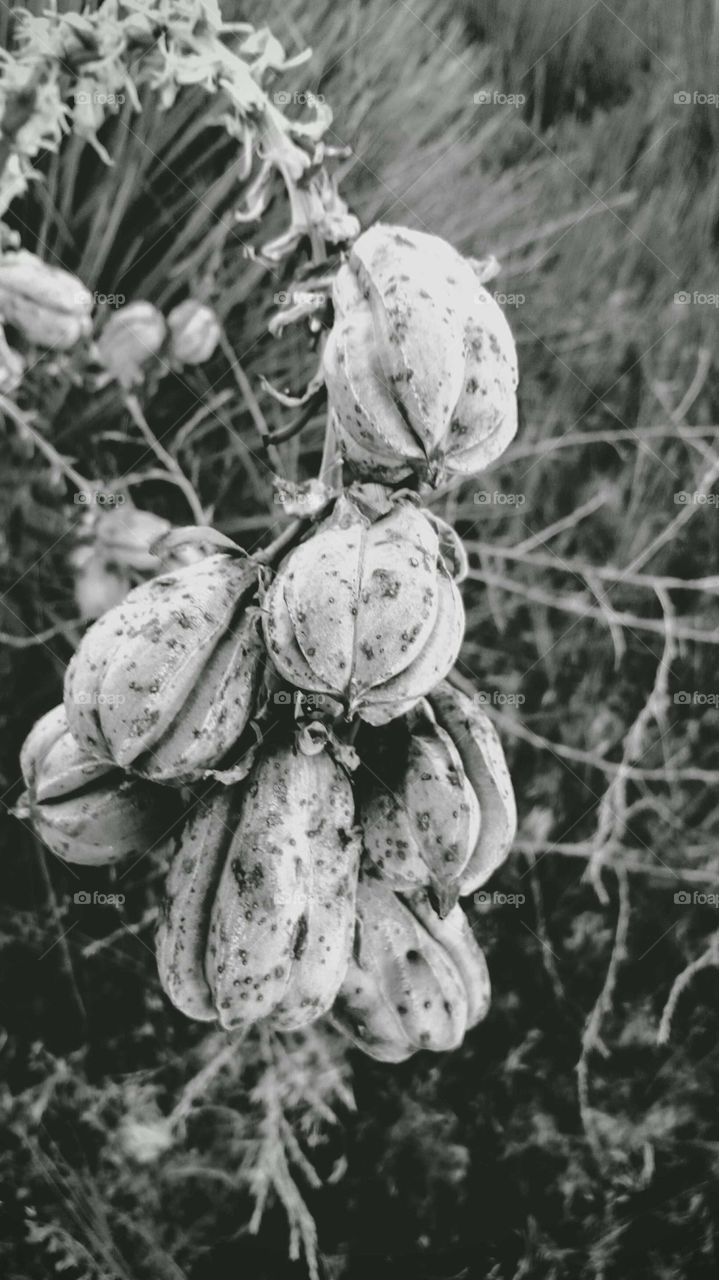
(366, 611)
(81, 807)
(420, 365)
(420, 817)
(181, 940)
(402, 991)
(112, 554)
(131, 337)
(477, 742)
(165, 683)
(194, 332)
(49, 306)
(455, 935)
(281, 926)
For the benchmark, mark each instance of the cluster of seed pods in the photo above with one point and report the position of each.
(287, 732)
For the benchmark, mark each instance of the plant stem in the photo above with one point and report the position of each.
(55, 459)
(135, 409)
(250, 399)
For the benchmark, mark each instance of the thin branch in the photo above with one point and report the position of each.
(709, 959)
(135, 409)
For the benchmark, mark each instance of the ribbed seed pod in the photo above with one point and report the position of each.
(476, 740)
(402, 991)
(131, 337)
(49, 306)
(420, 365)
(83, 808)
(281, 923)
(453, 932)
(420, 817)
(165, 683)
(366, 611)
(194, 332)
(190, 888)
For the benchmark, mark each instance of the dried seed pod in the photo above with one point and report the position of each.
(454, 934)
(420, 817)
(194, 332)
(49, 306)
(165, 683)
(420, 365)
(366, 611)
(477, 742)
(190, 888)
(112, 554)
(402, 991)
(281, 925)
(131, 337)
(83, 809)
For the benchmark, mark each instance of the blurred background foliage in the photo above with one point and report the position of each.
(599, 195)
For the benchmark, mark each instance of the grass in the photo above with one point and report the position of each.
(599, 195)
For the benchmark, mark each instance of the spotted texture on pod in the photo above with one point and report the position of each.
(165, 683)
(83, 808)
(125, 817)
(477, 742)
(322, 956)
(453, 932)
(420, 823)
(190, 888)
(402, 991)
(52, 762)
(280, 928)
(420, 365)
(366, 612)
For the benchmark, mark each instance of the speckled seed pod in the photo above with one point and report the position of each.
(453, 932)
(403, 990)
(49, 306)
(477, 742)
(82, 808)
(420, 365)
(366, 611)
(281, 924)
(165, 683)
(419, 815)
(190, 888)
